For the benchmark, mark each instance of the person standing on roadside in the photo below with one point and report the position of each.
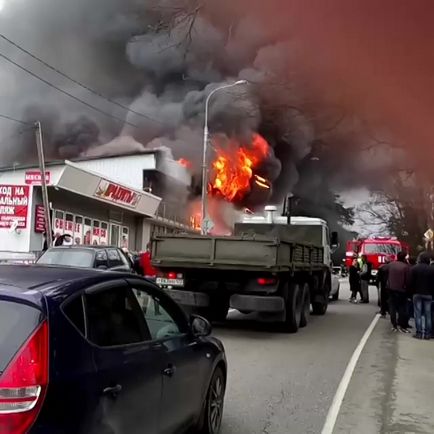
(411, 260)
(365, 277)
(354, 278)
(398, 281)
(422, 284)
(382, 277)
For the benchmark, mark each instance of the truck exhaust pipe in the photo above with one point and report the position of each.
(269, 213)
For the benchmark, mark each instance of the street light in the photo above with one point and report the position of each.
(204, 226)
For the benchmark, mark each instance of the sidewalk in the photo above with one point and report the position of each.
(392, 389)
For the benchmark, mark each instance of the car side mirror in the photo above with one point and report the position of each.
(200, 326)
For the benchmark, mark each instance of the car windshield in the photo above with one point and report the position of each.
(68, 257)
(383, 248)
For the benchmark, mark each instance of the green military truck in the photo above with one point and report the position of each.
(275, 265)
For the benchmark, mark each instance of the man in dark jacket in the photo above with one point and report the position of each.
(422, 284)
(365, 277)
(382, 277)
(398, 281)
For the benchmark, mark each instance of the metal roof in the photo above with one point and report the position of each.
(78, 159)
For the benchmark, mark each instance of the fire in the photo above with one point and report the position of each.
(262, 182)
(233, 169)
(195, 221)
(185, 163)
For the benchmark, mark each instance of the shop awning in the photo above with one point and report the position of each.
(83, 182)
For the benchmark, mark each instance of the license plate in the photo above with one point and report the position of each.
(162, 281)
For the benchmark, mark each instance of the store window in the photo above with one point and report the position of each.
(103, 239)
(115, 234)
(95, 232)
(87, 231)
(58, 223)
(78, 230)
(125, 238)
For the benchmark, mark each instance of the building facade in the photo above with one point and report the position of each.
(97, 201)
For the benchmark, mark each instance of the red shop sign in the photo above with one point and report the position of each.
(33, 177)
(39, 219)
(115, 193)
(14, 202)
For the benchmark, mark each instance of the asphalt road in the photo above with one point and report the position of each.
(281, 383)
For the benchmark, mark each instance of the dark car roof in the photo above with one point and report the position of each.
(32, 281)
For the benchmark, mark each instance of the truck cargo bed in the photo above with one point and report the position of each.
(243, 253)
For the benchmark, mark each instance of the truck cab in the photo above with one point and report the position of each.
(303, 229)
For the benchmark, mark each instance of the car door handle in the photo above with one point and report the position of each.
(169, 371)
(113, 391)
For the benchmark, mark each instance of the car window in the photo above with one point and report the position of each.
(101, 259)
(114, 258)
(114, 318)
(160, 321)
(73, 309)
(17, 322)
(69, 257)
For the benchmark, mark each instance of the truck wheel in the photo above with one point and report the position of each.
(319, 306)
(305, 312)
(293, 308)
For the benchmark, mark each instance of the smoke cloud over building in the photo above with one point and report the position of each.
(155, 61)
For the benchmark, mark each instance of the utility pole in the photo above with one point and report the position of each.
(41, 158)
(206, 224)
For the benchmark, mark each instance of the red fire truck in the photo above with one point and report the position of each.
(376, 249)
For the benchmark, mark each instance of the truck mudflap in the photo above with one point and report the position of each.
(188, 298)
(257, 303)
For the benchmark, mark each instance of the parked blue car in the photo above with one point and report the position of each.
(96, 352)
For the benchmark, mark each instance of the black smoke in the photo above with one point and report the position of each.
(162, 59)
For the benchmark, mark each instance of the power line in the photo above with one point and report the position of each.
(78, 83)
(64, 91)
(9, 118)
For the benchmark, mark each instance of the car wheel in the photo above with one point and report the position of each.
(211, 418)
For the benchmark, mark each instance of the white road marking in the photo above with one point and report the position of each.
(345, 381)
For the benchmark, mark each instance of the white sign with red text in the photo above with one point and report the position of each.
(115, 193)
(34, 177)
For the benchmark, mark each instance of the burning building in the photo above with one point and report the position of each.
(124, 75)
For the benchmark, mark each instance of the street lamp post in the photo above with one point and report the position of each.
(204, 214)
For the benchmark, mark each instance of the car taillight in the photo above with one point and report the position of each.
(171, 275)
(264, 281)
(23, 384)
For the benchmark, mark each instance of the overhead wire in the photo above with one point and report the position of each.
(10, 118)
(78, 83)
(48, 83)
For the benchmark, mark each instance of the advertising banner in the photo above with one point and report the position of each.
(103, 239)
(87, 232)
(39, 219)
(34, 177)
(115, 193)
(14, 203)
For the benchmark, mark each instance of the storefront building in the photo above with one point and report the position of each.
(86, 203)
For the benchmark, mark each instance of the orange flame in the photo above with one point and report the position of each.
(233, 169)
(185, 163)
